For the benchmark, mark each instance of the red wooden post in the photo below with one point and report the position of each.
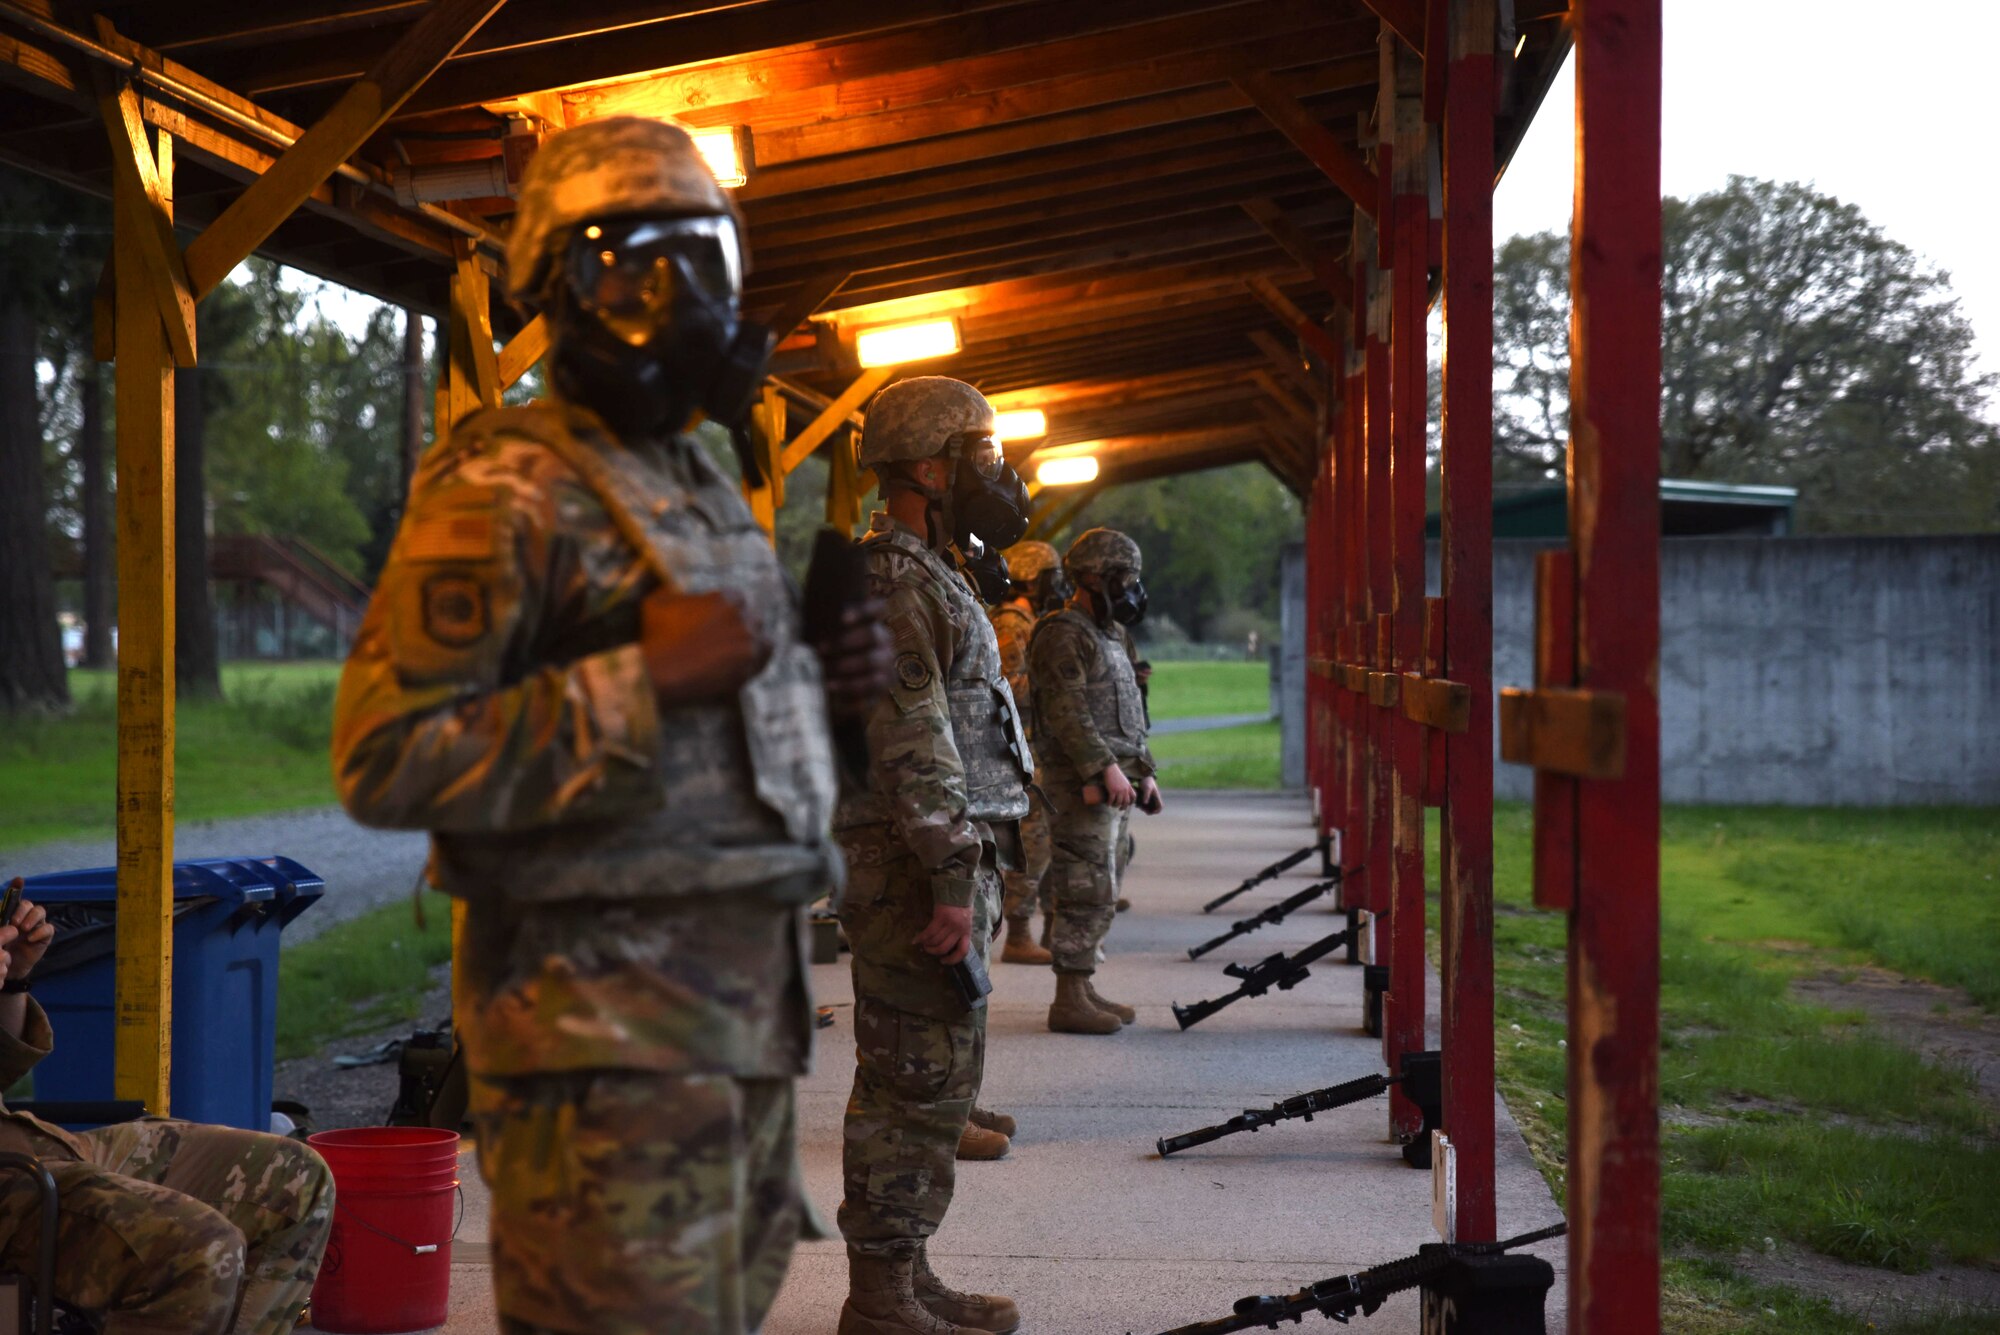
(1466, 927)
(1354, 838)
(1404, 1008)
(1381, 597)
(1614, 955)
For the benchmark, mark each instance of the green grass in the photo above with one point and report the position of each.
(1241, 757)
(261, 748)
(1784, 1120)
(360, 976)
(1195, 690)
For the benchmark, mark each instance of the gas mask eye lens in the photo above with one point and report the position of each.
(982, 450)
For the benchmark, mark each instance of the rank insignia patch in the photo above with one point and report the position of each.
(455, 613)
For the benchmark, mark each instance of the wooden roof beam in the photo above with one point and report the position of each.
(1296, 320)
(1287, 362)
(1284, 229)
(1138, 111)
(1405, 18)
(244, 225)
(1343, 165)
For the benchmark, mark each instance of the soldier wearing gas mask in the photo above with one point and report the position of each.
(925, 848)
(1038, 587)
(582, 671)
(1092, 763)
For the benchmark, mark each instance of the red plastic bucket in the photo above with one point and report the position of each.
(388, 1263)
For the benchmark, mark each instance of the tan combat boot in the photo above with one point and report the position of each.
(973, 1311)
(993, 1121)
(1021, 947)
(1075, 1013)
(1124, 1013)
(978, 1142)
(881, 1300)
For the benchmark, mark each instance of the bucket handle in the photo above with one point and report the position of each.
(416, 1248)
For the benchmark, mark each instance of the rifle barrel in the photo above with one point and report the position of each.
(1278, 868)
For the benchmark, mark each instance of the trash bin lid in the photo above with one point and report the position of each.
(229, 880)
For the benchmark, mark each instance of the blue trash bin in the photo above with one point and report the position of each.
(228, 914)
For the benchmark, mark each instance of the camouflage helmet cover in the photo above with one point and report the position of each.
(912, 419)
(1099, 550)
(1029, 558)
(618, 166)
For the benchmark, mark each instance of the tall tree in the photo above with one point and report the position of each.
(95, 504)
(1800, 345)
(197, 664)
(32, 267)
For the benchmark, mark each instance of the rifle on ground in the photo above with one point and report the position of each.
(1276, 913)
(1281, 971)
(1278, 868)
(1343, 1295)
(1299, 1105)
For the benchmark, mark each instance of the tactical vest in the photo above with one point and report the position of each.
(747, 785)
(1110, 688)
(1023, 693)
(985, 722)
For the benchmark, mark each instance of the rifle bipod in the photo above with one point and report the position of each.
(1281, 971)
(1277, 912)
(1420, 1077)
(1321, 846)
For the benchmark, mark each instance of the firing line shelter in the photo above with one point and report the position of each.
(1193, 232)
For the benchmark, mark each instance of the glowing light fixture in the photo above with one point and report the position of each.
(1021, 424)
(920, 340)
(1069, 471)
(1520, 46)
(722, 148)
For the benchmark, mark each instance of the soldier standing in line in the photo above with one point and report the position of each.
(924, 851)
(1039, 587)
(582, 672)
(1091, 754)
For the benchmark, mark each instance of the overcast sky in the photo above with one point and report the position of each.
(1891, 108)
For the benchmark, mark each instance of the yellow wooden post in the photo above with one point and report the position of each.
(145, 520)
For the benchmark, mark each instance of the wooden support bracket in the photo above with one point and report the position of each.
(1341, 164)
(1295, 319)
(1436, 703)
(141, 194)
(1575, 732)
(800, 448)
(523, 351)
(362, 110)
(1405, 18)
(1385, 689)
(1292, 239)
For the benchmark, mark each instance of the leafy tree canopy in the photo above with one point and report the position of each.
(1800, 346)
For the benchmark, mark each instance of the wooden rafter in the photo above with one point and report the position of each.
(1332, 155)
(1286, 230)
(272, 196)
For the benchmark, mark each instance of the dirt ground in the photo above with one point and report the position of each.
(360, 1095)
(1940, 1022)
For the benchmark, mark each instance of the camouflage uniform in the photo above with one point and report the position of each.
(165, 1228)
(947, 791)
(1027, 889)
(632, 994)
(1088, 717)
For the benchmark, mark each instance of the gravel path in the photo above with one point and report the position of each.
(1204, 722)
(362, 867)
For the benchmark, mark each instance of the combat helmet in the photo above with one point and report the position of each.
(1025, 560)
(1100, 550)
(618, 166)
(914, 418)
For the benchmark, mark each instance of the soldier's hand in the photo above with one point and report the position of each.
(1150, 800)
(698, 645)
(858, 659)
(1118, 789)
(948, 935)
(27, 939)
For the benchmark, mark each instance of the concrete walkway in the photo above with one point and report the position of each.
(1083, 1224)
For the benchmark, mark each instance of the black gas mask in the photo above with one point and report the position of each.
(987, 568)
(1124, 596)
(646, 324)
(987, 501)
(1047, 591)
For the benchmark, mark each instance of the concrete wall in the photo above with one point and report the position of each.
(1288, 667)
(1851, 671)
